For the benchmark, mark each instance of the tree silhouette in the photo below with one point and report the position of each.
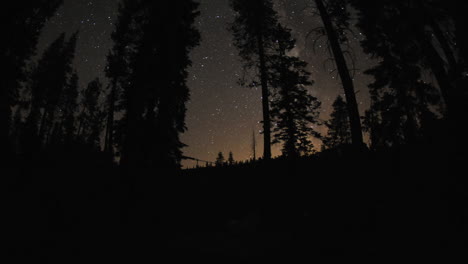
(110, 127)
(339, 132)
(117, 70)
(69, 110)
(92, 115)
(231, 159)
(42, 76)
(253, 30)
(334, 39)
(401, 101)
(449, 61)
(400, 106)
(294, 110)
(18, 127)
(151, 70)
(54, 90)
(220, 159)
(254, 146)
(23, 20)
(48, 80)
(63, 132)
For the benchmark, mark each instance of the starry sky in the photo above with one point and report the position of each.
(221, 114)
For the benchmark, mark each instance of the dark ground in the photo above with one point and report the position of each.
(378, 205)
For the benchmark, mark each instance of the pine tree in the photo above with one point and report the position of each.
(48, 79)
(431, 29)
(152, 41)
(294, 110)
(68, 109)
(117, 71)
(339, 132)
(401, 101)
(231, 159)
(17, 129)
(91, 119)
(42, 75)
(23, 21)
(253, 31)
(220, 159)
(55, 89)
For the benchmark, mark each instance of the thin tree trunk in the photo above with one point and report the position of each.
(437, 66)
(5, 122)
(458, 96)
(461, 27)
(265, 100)
(254, 145)
(51, 133)
(346, 80)
(80, 124)
(109, 140)
(409, 126)
(42, 127)
(449, 54)
(80, 127)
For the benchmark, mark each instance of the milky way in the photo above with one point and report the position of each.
(221, 114)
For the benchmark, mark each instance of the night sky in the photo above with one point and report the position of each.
(221, 114)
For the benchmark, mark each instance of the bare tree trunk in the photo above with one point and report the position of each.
(254, 146)
(109, 139)
(80, 124)
(346, 80)
(442, 39)
(5, 120)
(437, 66)
(5, 116)
(42, 127)
(265, 100)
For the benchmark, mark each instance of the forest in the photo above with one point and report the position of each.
(95, 173)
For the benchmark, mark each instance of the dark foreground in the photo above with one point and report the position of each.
(385, 205)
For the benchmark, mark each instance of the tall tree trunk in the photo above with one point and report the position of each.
(265, 99)
(51, 135)
(5, 121)
(5, 114)
(461, 27)
(444, 44)
(346, 80)
(109, 139)
(131, 147)
(437, 66)
(254, 145)
(80, 124)
(409, 126)
(459, 95)
(42, 127)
